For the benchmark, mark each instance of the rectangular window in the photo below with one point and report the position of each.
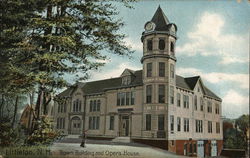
(178, 99)
(161, 69)
(217, 109)
(195, 102)
(186, 125)
(148, 122)
(148, 93)
(210, 127)
(171, 123)
(57, 123)
(97, 122)
(111, 123)
(217, 127)
(161, 94)
(185, 101)
(123, 98)
(209, 107)
(118, 98)
(149, 69)
(201, 103)
(172, 70)
(178, 124)
(132, 98)
(94, 107)
(198, 125)
(150, 45)
(127, 98)
(98, 105)
(161, 122)
(90, 123)
(171, 95)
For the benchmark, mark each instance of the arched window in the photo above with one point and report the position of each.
(161, 44)
(172, 48)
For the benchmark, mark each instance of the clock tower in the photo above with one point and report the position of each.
(158, 38)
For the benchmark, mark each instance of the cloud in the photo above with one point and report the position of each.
(209, 39)
(112, 73)
(136, 46)
(217, 77)
(234, 104)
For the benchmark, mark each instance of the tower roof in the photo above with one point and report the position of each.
(160, 19)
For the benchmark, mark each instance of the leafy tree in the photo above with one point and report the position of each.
(46, 39)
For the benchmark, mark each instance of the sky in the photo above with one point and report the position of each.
(213, 42)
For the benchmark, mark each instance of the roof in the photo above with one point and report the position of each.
(101, 86)
(160, 19)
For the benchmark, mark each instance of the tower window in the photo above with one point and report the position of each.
(161, 122)
(161, 93)
(149, 69)
(150, 44)
(149, 94)
(172, 48)
(148, 122)
(172, 70)
(162, 69)
(161, 44)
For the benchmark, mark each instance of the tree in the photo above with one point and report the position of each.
(44, 40)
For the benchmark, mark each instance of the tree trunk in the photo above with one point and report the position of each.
(15, 112)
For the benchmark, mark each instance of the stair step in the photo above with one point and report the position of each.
(122, 139)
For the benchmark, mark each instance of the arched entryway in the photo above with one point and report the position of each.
(75, 125)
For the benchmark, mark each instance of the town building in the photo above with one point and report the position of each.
(153, 105)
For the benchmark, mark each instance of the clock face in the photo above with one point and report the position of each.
(149, 26)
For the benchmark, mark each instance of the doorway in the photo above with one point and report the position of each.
(124, 126)
(75, 125)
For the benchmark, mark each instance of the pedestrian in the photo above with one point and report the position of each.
(83, 139)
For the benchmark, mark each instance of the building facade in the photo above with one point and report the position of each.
(153, 105)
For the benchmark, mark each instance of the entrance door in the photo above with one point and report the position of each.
(200, 148)
(213, 148)
(75, 125)
(125, 126)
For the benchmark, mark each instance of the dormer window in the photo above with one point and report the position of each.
(150, 44)
(161, 44)
(126, 80)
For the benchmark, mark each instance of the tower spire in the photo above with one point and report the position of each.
(160, 19)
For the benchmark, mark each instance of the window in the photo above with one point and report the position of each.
(217, 109)
(111, 122)
(171, 94)
(172, 48)
(77, 105)
(210, 127)
(178, 124)
(150, 44)
(172, 70)
(125, 98)
(161, 44)
(161, 69)
(198, 126)
(161, 94)
(160, 122)
(60, 123)
(171, 123)
(149, 69)
(209, 107)
(185, 101)
(194, 147)
(217, 127)
(98, 105)
(195, 102)
(201, 103)
(148, 93)
(148, 122)
(186, 125)
(91, 106)
(94, 122)
(178, 99)
(132, 98)
(94, 107)
(126, 80)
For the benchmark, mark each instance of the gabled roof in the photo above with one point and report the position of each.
(160, 19)
(96, 87)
